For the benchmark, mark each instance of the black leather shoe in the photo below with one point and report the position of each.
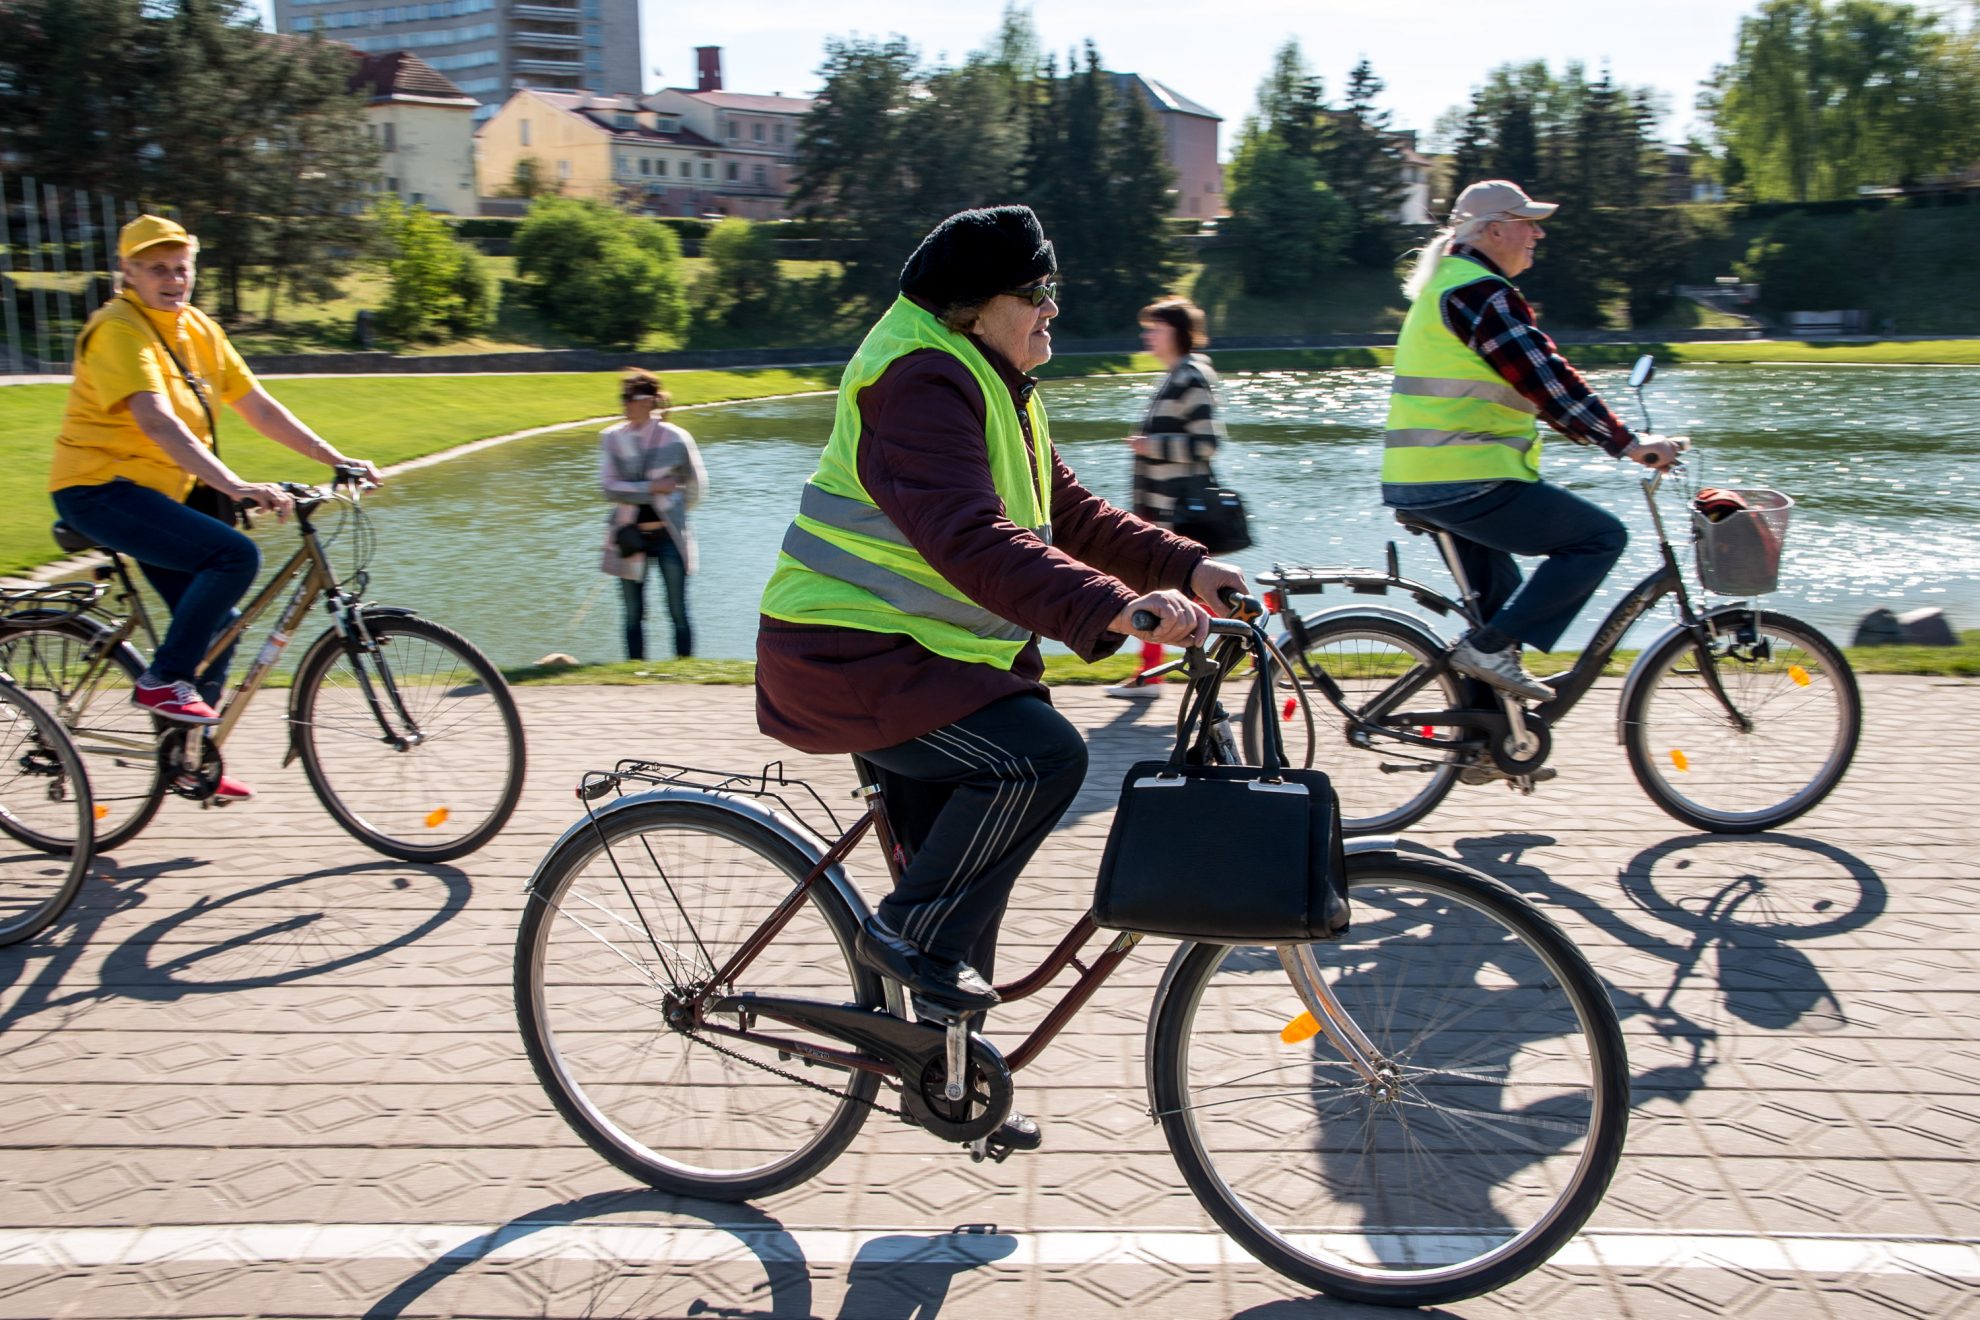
(949, 983)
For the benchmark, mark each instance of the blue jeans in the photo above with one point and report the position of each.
(661, 553)
(1581, 540)
(199, 565)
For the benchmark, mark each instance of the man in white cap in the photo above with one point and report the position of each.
(1473, 374)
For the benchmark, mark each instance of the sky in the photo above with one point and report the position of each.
(1431, 53)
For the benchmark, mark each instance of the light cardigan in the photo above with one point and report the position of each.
(630, 457)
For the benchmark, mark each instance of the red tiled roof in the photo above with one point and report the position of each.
(779, 105)
(401, 73)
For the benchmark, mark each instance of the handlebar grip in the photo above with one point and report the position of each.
(1240, 605)
(1143, 620)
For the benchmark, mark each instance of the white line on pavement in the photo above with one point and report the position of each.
(1831, 1255)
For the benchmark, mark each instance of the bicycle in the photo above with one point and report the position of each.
(408, 734)
(1421, 1111)
(47, 820)
(1736, 719)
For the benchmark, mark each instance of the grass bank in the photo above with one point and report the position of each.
(1961, 661)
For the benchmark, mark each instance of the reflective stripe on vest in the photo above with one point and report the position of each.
(1452, 416)
(844, 563)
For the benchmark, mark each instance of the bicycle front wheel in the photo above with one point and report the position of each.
(1381, 669)
(1480, 1140)
(1788, 737)
(55, 659)
(46, 817)
(415, 746)
(623, 920)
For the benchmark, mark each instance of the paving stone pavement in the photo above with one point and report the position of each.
(259, 1071)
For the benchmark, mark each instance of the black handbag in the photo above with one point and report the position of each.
(1212, 516)
(1226, 854)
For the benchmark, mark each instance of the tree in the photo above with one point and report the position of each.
(1799, 268)
(1289, 227)
(598, 274)
(73, 91)
(1361, 160)
(1291, 102)
(439, 286)
(743, 283)
(528, 180)
(1824, 97)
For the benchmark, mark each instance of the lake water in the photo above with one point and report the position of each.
(503, 544)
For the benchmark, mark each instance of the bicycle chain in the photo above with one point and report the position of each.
(775, 1071)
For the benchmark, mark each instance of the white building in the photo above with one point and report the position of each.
(424, 128)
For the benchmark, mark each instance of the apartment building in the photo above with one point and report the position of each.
(489, 47)
(607, 148)
(1189, 143)
(756, 135)
(424, 127)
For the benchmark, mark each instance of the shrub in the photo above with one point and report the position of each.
(598, 274)
(440, 287)
(1288, 226)
(743, 283)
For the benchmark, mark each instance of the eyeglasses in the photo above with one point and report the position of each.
(629, 395)
(1036, 294)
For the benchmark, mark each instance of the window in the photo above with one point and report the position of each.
(391, 184)
(563, 169)
(388, 137)
(780, 135)
(625, 164)
(525, 132)
(645, 165)
(732, 128)
(757, 176)
(732, 173)
(756, 130)
(418, 198)
(707, 169)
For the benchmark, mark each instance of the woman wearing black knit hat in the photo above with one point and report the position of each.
(940, 538)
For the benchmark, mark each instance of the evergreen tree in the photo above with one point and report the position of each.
(1292, 103)
(1362, 161)
(1287, 225)
(73, 91)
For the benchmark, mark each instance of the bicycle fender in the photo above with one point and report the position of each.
(1371, 843)
(328, 637)
(1635, 677)
(1402, 618)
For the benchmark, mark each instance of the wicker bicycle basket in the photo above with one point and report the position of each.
(1740, 554)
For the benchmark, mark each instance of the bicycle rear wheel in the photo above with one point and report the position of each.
(46, 817)
(1798, 696)
(624, 917)
(415, 747)
(1486, 1140)
(1381, 668)
(51, 657)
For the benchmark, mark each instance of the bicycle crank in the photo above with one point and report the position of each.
(188, 778)
(917, 1051)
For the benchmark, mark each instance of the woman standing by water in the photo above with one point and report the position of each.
(651, 471)
(1179, 433)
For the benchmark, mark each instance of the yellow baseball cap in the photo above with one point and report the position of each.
(149, 231)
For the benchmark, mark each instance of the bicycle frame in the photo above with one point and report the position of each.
(1569, 688)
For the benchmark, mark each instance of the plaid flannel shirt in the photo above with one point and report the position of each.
(1495, 322)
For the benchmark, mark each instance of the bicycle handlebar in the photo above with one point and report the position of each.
(1243, 610)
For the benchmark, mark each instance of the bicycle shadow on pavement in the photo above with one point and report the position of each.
(1329, 1308)
(110, 889)
(623, 1267)
(1140, 730)
(907, 1276)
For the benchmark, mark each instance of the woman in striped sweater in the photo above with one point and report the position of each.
(1179, 433)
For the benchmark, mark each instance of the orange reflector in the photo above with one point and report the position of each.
(1798, 674)
(1286, 712)
(1303, 1027)
(437, 817)
(101, 812)
(1680, 760)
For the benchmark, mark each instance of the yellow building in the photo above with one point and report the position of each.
(608, 148)
(424, 127)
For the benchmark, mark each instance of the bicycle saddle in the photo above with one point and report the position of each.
(1416, 525)
(70, 539)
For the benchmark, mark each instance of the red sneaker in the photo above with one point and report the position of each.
(172, 701)
(230, 789)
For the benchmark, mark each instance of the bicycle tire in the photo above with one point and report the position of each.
(1524, 1121)
(1696, 765)
(45, 655)
(46, 816)
(1367, 655)
(395, 797)
(731, 1131)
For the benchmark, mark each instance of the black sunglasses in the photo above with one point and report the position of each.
(1036, 294)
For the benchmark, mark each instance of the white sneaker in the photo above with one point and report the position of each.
(1501, 669)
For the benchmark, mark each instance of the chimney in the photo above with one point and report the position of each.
(708, 68)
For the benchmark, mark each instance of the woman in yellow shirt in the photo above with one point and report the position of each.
(138, 433)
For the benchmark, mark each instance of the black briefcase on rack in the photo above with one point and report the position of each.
(1225, 854)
